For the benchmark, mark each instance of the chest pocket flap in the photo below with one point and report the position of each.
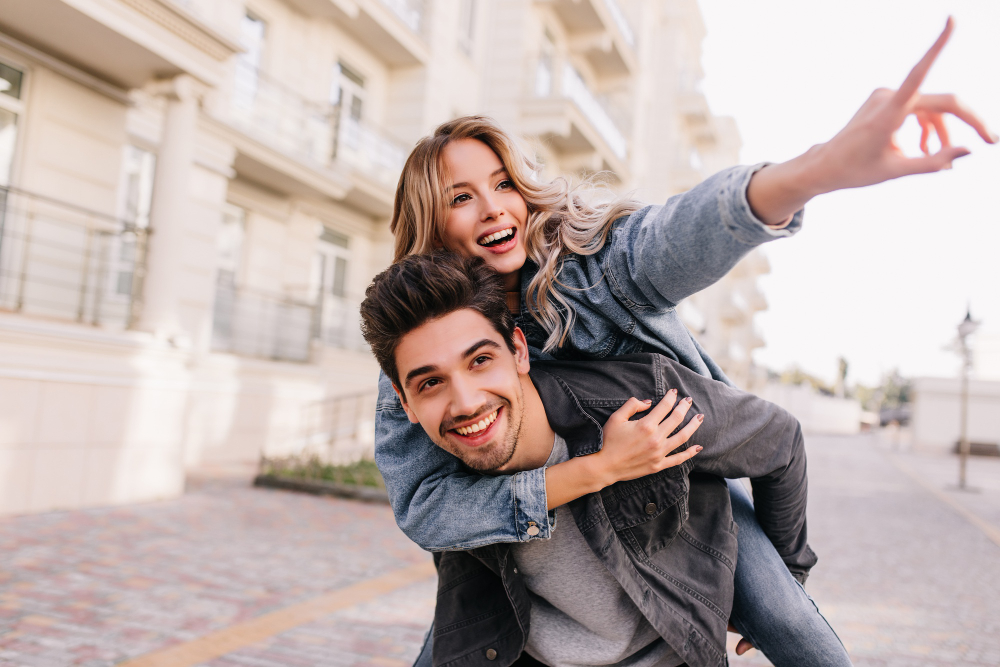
(648, 512)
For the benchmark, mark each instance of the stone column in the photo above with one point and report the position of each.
(169, 212)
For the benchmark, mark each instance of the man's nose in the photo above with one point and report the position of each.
(466, 400)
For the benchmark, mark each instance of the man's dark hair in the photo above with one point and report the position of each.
(421, 288)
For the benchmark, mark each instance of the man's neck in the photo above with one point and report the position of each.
(534, 445)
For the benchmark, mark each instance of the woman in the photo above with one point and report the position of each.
(599, 281)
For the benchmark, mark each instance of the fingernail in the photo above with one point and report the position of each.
(962, 154)
(700, 418)
(698, 448)
(688, 399)
(995, 137)
(672, 392)
(647, 400)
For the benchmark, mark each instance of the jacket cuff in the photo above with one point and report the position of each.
(531, 505)
(739, 218)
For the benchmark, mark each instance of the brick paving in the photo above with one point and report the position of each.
(904, 577)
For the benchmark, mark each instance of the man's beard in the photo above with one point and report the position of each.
(498, 454)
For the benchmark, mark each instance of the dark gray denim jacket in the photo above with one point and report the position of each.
(624, 297)
(668, 538)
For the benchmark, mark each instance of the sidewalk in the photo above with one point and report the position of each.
(909, 567)
(101, 586)
(231, 576)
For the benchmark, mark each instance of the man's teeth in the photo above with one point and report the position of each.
(480, 426)
(496, 236)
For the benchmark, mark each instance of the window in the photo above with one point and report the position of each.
(348, 91)
(466, 25)
(11, 88)
(138, 168)
(543, 73)
(230, 244)
(252, 34)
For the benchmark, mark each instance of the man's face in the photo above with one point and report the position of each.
(464, 386)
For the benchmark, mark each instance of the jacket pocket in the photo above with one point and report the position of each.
(647, 513)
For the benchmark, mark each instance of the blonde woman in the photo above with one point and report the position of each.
(595, 281)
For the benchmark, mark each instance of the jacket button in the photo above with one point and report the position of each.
(651, 509)
(532, 530)
(491, 654)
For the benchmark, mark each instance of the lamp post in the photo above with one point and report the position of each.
(966, 328)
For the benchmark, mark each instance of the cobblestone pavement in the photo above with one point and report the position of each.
(905, 578)
(909, 573)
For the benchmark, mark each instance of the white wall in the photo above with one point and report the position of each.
(817, 413)
(937, 412)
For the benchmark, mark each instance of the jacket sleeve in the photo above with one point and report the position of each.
(436, 502)
(661, 254)
(745, 436)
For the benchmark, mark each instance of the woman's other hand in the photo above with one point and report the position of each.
(865, 152)
(635, 448)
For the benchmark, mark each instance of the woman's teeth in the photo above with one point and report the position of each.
(482, 425)
(503, 233)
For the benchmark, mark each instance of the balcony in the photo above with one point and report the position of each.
(600, 32)
(119, 42)
(61, 261)
(576, 123)
(304, 147)
(392, 29)
(255, 323)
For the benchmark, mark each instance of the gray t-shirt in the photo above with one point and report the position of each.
(580, 615)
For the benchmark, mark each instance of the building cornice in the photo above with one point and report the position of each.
(187, 26)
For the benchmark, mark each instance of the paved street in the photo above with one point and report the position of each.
(229, 576)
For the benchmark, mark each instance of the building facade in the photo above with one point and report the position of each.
(195, 193)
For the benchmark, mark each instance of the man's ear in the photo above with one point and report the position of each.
(406, 406)
(521, 352)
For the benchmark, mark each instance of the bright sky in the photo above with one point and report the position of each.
(880, 275)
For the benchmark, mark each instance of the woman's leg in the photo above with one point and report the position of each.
(424, 659)
(770, 608)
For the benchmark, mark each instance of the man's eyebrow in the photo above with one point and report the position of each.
(475, 347)
(465, 184)
(416, 372)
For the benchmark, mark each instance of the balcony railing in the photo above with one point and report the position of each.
(575, 89)
(253, 323)
(314, 132)
(66, 262)
(410, 12)
(621, 21)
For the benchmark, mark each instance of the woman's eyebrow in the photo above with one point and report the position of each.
(464, 184)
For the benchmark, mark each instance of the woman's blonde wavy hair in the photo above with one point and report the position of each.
(559, 221)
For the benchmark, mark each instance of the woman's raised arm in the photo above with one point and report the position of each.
(865, 151)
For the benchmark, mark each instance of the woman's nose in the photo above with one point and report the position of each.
(490, 209)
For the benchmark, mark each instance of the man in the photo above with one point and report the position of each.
(639, 572)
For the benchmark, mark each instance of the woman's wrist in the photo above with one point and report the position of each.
(778, 191)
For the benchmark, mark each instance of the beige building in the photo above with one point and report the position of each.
(195, 193)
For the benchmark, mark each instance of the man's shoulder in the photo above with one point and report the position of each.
(606, 382)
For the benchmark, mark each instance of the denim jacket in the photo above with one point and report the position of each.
(669, 538)
(624, 297)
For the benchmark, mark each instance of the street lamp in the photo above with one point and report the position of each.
(966, 328)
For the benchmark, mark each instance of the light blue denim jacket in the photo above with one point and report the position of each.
(625, 298)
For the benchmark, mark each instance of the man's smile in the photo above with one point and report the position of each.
(478, 432)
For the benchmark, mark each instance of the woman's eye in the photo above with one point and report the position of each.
(460, 198)
(505, 184)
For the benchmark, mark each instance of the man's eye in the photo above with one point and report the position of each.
(460, 199)
(480, 360)
(427, 384)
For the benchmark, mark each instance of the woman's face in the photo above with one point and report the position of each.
(487, 214)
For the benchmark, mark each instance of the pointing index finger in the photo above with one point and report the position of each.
(916, 76)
